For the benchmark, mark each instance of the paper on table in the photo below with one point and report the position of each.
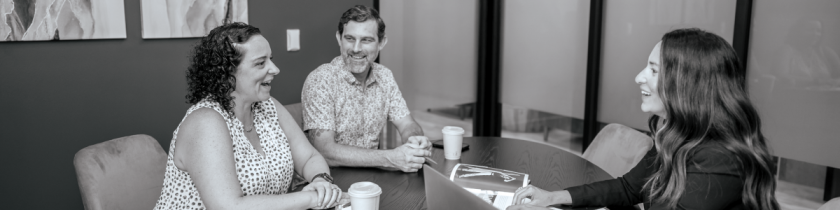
(496, 186)
(553, 208)
(503, 200)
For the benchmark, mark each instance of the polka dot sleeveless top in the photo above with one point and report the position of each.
(258, 174)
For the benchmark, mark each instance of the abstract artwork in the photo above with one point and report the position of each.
(189, 18)
(31, 20)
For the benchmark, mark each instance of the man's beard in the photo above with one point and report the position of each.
(356, 66)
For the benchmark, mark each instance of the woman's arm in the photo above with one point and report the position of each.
(622, 191)
(308, 161)
(534, 196)
(712, 181)
(705, 191)
(205, 150)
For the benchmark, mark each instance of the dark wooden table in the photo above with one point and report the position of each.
(550, 167)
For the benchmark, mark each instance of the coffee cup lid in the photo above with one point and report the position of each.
(453, 130)
(364, 190)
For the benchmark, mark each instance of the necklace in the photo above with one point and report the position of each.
(248, 130)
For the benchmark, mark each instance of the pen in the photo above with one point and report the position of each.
(427, 158)
(430, 160)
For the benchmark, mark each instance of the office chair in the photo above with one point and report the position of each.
(123, 173)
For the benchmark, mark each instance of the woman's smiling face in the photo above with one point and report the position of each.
(647, 80)
(255, 71)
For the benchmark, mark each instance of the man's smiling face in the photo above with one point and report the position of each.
(360, 45)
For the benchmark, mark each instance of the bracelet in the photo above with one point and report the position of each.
(325, 176)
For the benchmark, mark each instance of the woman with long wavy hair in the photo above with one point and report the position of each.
(709, 151)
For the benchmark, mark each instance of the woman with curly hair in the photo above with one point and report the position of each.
(237, 147)
(709, 151)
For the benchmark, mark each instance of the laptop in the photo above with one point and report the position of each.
(443, 194)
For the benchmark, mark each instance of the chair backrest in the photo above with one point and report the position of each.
(832, 204)
(123, 173)
(617, 148)
(296, 110)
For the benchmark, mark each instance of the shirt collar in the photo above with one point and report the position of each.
(349, 78)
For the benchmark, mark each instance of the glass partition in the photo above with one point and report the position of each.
(432, 51)
(543, 73)
(631, 29)
(794, 73)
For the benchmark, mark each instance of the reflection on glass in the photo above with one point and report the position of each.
(529, 124)
(434, 60)
(794, 74)
(631, 27)
(807, 63)
(544, 70)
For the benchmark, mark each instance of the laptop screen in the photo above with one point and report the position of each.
(441, 193)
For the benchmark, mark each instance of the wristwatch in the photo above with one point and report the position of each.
(325, 176)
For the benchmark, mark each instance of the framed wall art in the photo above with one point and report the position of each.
(189, 18)
(34, 20)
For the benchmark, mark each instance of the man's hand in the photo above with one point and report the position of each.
(420, 142)
(408, 158)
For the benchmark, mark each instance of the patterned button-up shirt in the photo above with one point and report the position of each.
(334, 100)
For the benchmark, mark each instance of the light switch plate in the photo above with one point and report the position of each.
(292, 39)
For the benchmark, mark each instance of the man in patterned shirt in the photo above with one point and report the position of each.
(347, 102)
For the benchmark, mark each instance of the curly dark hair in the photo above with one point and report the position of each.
(213, 63)
(361, 13)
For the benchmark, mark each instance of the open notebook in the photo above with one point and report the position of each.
(493, 185)
(443, 194)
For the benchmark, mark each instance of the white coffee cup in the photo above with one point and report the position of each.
(364, 196)
(453, 137)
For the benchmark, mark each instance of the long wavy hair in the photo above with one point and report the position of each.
(703, 88)
(213, 63)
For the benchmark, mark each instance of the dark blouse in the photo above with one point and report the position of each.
(713, 182)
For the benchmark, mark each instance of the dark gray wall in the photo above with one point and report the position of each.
(59, 97)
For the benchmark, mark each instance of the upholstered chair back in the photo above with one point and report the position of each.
(617, 148)
(123, 173)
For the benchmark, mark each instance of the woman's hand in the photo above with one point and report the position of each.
(343, 201)
(526, 207)
(537, 196)
(328, 194)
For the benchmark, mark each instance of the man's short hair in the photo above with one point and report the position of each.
(361, 13)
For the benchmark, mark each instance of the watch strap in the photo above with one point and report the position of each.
(324, 176)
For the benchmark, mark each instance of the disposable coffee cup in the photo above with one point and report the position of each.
(364, 196)
(453, 136)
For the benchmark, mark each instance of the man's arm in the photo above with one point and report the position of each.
(398, 113)
(319, 126)
(411, 132)
(403, 157)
